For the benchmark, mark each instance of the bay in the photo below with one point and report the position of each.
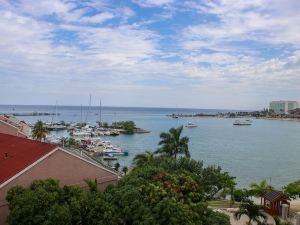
(267, 149)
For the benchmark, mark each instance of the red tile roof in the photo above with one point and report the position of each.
(18, 153)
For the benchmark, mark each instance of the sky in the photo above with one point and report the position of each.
(216, 54)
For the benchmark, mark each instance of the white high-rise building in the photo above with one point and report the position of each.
(283, 107)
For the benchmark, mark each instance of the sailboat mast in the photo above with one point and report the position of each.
(81, 113)
(100, 112)
(87, 114)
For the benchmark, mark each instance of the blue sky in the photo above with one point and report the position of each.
(235, 54)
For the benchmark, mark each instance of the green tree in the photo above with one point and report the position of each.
(39, 131)
(215, 181)
(143, 158)
(92, 184)
(172, 144)
(259, 189)
(159, 198)
(292, 190)
(45, 202)
(117, 166)
(127, 126)
(252, 211)
(125, 170)
(216, 218)
(240, 195)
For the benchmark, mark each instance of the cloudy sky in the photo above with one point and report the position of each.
(234, 54)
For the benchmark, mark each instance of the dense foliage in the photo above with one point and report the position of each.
(165, 191)
(160, 189)
(292, 190)
(252, 211)
(128, 126)
(45, 202)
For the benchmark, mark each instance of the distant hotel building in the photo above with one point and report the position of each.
(283, 107)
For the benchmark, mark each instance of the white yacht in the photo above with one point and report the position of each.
(191, 125)
(242, 123)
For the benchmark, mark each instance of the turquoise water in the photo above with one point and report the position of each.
(268, 149)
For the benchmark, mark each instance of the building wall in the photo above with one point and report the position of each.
(6, 128)
(68, 169)
(283, 107)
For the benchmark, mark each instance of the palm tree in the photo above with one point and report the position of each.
(117, 166)
(259, 189)
(39, 131)
(125, 170)
(143, 158)
(172, 144)
(248, 208)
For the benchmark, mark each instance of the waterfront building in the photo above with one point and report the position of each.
(13, 126)
(283, 107)
(23, 160)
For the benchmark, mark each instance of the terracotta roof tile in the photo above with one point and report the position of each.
(18, 153)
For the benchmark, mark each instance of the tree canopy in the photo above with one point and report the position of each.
(39, 131)
(159, 189)
(292, 190)
(172, 144)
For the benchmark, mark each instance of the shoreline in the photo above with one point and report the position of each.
(235, 117)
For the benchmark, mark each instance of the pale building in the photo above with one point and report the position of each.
(283, 107)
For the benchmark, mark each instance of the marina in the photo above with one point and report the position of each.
(215, 140)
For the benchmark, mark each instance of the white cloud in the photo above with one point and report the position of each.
(152, 3)
(99, 18)
(247, 20)
(123, 57)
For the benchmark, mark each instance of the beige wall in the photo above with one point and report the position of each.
(69, 169)
(6, 128)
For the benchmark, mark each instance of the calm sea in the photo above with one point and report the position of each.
(268, 149)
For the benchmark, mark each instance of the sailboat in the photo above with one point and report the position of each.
(54, 125)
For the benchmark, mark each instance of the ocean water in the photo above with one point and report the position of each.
(268, 149)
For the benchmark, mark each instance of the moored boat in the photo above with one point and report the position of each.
(242, 123)
(191, 125)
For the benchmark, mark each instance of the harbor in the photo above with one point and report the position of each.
(215, 139)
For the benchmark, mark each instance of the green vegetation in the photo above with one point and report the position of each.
(172, 144)
(117, 166)
(240, 195)
(103, 124)
(69, 142)
(259, 189)
(39, 131)
(160, 189)
(223, 203)
(252, 211)
(45, 202)
(128, 126)
(278, 222)
(292, 190)
(81, 124)
(143, 158)
(125, 170)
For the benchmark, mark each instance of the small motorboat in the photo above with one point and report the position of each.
(242, 123)
(191, 125)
